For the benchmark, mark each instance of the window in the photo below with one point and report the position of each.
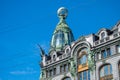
(60, 69)
(102, 35)
(46, 74)
(106, 72)
(54, 57)
(50, 73)
(118, 48)
(65, 68)
(119, 69)
(54, 71)
(85, 75)
(59, 37)
(83, 59)
(97, 56)
(69, 66)
(108, 52)
(104, 54)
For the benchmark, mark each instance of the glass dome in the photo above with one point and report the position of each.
(62, 35)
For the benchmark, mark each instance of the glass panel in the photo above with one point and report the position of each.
(102, 35)
(83, 60)
(110, 69)
(108, 52)
(80, 76)
(59, 38)
(85, 75)
(118, 48)
(67, 68)
(104, 55)
(88, 74)
(102, 72)
(106, 70)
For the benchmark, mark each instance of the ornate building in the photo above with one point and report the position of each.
(91, 57)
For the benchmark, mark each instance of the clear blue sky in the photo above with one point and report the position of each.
(25, 23)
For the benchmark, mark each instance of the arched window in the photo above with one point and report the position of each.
(106, 72)
(83, 70)
(66, 78)
(102, 35)
(119, 69)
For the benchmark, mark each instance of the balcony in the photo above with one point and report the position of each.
(113, 36)
(58, 58)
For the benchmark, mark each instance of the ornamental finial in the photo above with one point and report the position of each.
(62, 12)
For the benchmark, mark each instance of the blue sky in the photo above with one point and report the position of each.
(26, 23)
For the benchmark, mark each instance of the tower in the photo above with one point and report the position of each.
(62, 35)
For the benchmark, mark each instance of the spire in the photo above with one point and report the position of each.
(62, 35)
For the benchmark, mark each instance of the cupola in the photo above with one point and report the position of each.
(62, 35)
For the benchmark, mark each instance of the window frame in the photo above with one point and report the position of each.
(105, 72)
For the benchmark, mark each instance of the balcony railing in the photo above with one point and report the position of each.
(115, 35)
(58, 58)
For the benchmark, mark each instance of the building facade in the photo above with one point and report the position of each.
(91, 57)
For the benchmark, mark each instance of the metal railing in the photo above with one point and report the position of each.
(58, 58)
(113, 36)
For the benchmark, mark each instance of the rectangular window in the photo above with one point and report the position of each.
(104, 55)
(60, 69)
(54, 71)
(65, 66)
(50, 72)
(108, 52)
(118, 48)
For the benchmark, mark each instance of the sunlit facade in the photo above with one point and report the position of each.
(92, 57)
